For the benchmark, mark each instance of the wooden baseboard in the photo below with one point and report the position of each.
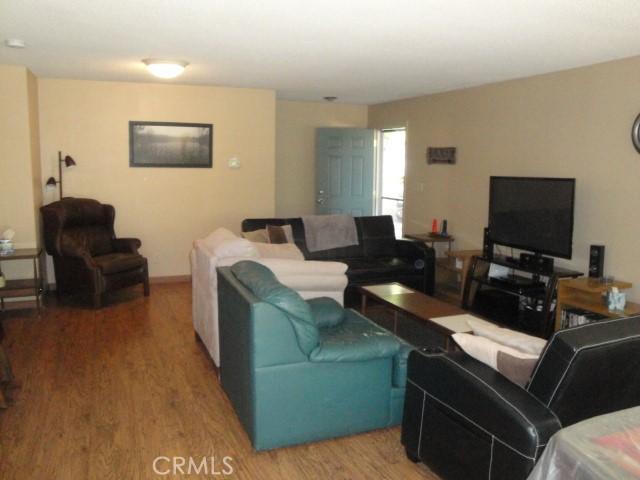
(18, 304)
(170, 279)
(152, 280)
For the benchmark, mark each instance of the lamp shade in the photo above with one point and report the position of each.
(51, 182)
(69, 162)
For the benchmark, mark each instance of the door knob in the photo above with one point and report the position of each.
(320, 200)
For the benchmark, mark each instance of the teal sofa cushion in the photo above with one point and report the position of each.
(264, 285)
(356, 339)
(326, 312)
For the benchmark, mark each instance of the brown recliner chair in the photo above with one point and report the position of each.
(87, 258)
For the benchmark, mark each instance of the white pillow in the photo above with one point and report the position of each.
(485, 350)
(278, 250)
(236, 247)
(520, 341)
(218, 236)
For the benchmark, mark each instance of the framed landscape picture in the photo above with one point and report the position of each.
(168, 144)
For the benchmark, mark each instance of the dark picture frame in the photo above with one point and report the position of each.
(441, 155)
(170, 144)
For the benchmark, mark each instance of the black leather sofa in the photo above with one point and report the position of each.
(378, 258)
(466, 421)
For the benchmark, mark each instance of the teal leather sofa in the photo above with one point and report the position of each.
(298, 371)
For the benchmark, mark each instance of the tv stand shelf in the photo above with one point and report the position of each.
(516, 285)
(514, 263)
(524, 299)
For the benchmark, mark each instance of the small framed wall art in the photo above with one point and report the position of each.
(443, 155)
(170, 144)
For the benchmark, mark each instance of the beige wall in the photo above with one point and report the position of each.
(19, 162)
(575, 123)
(296, 123)
(167, 208)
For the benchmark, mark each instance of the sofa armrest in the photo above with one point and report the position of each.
(71, 248)
(420, 253)
(400, 361)
(310, 278)
(482, 398)
(126, 245)
(414, 249)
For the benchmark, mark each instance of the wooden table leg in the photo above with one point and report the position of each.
(363, 304)
(6, 376)
(36, 283)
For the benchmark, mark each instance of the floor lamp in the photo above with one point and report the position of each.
(68, 162)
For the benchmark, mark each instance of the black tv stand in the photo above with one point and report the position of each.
(524, 299)
(534, 262)
(519, 282)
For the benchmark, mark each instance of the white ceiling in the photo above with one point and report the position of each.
(360, 51)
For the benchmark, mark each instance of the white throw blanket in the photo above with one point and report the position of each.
(323, 232)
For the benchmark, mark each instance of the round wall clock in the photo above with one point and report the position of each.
(635, 133)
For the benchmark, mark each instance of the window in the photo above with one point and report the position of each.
(391, 176)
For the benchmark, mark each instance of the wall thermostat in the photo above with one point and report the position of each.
(234, 162)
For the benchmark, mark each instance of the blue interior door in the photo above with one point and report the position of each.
(344, 171)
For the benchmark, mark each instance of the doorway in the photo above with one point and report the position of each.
(391, 172)
(345, 166)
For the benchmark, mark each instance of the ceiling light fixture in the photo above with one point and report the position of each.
(14, 43)
(330, 99)
(165, 68)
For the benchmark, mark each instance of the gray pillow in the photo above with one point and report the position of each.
(518, 370)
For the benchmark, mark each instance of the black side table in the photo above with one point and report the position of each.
(24, 286)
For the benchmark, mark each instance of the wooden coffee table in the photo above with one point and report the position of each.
(444, 318)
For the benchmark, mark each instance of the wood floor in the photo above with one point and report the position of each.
(106, 392)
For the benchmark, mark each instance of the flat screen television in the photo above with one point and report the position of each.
(533, 214)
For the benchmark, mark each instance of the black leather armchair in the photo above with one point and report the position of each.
(79, 235)
(466, 421)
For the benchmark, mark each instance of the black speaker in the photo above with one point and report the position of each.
(487, 245)
(596, 261)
